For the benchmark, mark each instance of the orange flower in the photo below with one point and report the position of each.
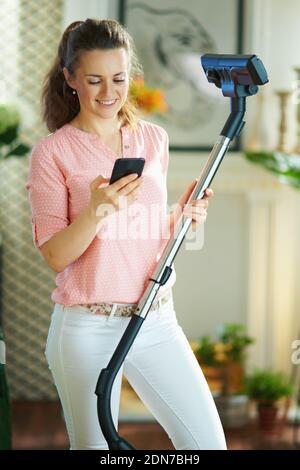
(149, 100)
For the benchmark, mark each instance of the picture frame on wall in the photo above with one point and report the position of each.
(170, 37)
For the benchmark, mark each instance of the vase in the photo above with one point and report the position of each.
(267, 416)
(233, 377)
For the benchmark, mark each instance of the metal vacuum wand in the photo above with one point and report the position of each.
(238, 76)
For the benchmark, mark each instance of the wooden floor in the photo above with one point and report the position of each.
(39, 425)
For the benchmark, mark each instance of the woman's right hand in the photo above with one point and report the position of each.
(107, 198)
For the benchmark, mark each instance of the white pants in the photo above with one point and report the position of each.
(160, 366)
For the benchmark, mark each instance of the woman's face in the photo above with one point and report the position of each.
(102, 75)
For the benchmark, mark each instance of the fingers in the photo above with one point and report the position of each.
(120, 183)
(199, 210)
(196, 224)
(186, 195)
(197, 220)
(132, 186)
(128, 190)
(195, 212)
(99, 181)
(199, 203)
(133, 195)
(208, 193)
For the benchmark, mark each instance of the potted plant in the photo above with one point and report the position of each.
(210, 360)
(222, 362)
(224, 357)
(10, 145)
(235, 338)
(266, 387)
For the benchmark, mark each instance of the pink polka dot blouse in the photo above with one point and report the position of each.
(120, 259)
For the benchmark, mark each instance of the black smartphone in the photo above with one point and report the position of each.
(126, 166)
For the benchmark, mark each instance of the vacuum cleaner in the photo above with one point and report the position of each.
(238, 76)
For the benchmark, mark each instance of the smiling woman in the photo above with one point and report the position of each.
(100, 279)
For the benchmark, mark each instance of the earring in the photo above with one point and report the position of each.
(74, 92)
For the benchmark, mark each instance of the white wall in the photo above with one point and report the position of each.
(81, 9)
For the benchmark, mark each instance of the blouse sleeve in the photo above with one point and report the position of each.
(48, 194)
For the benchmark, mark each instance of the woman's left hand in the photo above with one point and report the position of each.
(197, 208)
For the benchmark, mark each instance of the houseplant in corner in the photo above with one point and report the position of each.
(266, 388)
(10, 145)
(26, 280)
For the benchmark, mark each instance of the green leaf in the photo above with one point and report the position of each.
(235, 335)
(206, 350)
(9, 135)
(285, 166)
(267, 386)
(19, 151)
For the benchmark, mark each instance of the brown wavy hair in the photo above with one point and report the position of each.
(59, 104)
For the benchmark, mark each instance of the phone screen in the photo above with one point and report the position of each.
(126, 166)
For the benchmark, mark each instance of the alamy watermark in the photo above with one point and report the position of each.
(143, 222)
(295, 356)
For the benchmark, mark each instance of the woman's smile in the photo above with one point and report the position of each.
(106, 103)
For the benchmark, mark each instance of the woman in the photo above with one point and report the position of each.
(102, 276)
